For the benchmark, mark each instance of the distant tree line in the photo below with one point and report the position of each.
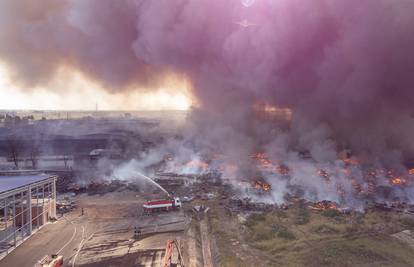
(20, 150)
(17, 149)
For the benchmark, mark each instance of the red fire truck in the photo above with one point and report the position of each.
(162, 205)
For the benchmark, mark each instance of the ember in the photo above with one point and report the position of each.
(350, 161)
(263, 162)
(261, 186)
(398, 181)
(261, 158)
(324, 205)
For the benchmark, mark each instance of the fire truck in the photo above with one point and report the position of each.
(50, 261)
(162, 205)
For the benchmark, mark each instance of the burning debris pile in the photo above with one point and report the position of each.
(263, 179)
(262, 186)
(324, 205)
(344, 184)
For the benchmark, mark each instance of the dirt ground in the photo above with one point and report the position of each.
(297, 236)
(104, 234)
(111, 242)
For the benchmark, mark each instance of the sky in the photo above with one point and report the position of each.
(82, 94)
(343, 57)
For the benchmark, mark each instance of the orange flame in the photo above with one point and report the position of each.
(398, 181)
(261, 186)
(350, 161)
(262, 159)
(324, 205)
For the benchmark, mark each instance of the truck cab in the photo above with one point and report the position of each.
(177, 202)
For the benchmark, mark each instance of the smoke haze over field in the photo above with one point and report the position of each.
(344, 68)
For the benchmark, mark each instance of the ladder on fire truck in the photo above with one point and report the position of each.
(169, 252)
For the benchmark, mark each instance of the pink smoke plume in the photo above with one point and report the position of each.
(341, 65)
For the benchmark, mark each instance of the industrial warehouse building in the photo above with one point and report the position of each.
(27, 202)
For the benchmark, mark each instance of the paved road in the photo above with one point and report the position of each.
(63, 236)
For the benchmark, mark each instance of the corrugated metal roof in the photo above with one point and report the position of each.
(11, 182)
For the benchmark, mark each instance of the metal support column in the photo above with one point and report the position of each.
(54, 188)
(14, 220)
(29, 206)
(37, 207)
(5, 225)
(53, 201)
(21, 215)
(6, 211)
(5, 214)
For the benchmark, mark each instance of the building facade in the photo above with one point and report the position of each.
(27, 202)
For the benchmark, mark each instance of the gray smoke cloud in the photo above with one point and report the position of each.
(344, 68)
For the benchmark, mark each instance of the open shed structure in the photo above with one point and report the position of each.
(27, 202)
